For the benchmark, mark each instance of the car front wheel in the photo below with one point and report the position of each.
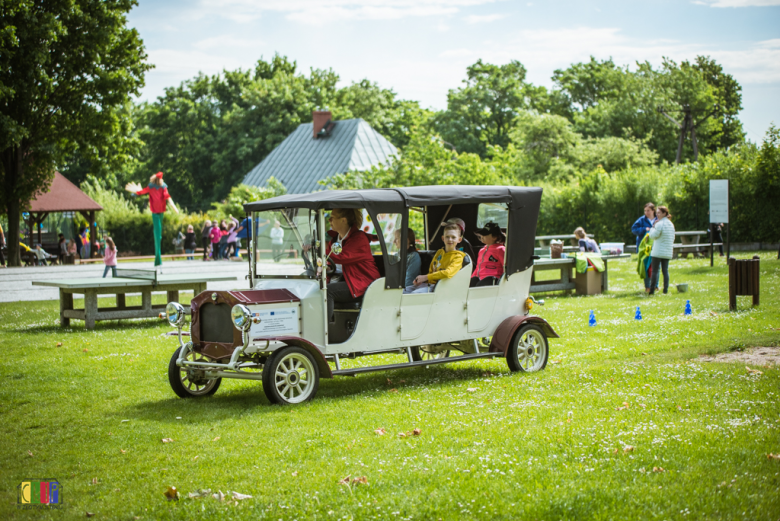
(290, 375)
(529, 350)
(187, 383)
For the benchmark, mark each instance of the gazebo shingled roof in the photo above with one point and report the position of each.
(63, 196)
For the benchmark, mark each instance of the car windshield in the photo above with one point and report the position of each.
(285, 240)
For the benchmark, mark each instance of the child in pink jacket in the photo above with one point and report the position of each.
(110, 258)
(490, 259)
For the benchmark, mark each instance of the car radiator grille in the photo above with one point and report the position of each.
(216, 324)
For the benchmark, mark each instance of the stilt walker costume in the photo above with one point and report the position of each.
(158, 198)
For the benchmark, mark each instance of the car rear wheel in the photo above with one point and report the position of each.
(420, 354)
(187, 383)
(290, 376)
(529, 350)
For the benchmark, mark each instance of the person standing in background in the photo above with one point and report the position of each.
(662, 234)
(109, 259)
(642, 225)
(189, 242)
(78, 243)
(215, 235)
(2, 245)
(158, 199)
(277, 241)
(85, 243)
(205, 239)
(62, 251)
(231, 248)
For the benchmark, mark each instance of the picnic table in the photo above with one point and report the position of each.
(544, 240)
(690, 239)
(144, 282)
(566, 281)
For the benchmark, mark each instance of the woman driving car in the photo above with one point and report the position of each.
(354, 262)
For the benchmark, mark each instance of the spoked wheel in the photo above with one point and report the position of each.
(420, 354)
(290, 376)
(528, 351)
(186, 383)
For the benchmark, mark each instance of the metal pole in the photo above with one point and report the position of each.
(728, 224)
(712, 248)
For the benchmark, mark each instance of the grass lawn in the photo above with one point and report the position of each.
(625, 422)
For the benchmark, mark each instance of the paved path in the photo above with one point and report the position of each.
(16, 283)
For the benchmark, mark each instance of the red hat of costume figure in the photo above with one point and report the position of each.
(159, 175)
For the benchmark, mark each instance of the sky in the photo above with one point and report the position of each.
(420, 48)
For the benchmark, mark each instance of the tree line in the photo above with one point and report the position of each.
(70, 71)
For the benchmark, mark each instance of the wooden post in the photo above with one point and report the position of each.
(90, 308)
(121, 302)
(66, 304)
(732, 284)
(756, 264)
(712, 248)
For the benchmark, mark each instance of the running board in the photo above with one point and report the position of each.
(447, 360)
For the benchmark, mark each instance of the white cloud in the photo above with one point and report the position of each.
(226, 42)
(479, 19)
(317, 12)
(738, 3)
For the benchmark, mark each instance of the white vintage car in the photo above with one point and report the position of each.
(278, 332)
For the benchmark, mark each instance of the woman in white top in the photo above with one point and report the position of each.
(277, 241)
(662, 234)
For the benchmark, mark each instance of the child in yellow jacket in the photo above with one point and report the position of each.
(445, 264)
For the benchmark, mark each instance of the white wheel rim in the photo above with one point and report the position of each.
(426, 355)
(531, 350)
(294, 378)
(195, 386)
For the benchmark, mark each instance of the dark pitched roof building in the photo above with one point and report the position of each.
(318, 150)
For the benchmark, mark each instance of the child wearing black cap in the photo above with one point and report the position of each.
(490, 259)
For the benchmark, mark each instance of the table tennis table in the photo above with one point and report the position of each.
(127, 281)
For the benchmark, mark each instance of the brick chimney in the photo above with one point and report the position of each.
(320, 118)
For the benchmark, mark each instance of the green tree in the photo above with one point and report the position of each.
(67, 70)
(483, 112)
(728, 95)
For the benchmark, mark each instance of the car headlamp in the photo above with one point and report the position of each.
(175, 314)
(242, 317)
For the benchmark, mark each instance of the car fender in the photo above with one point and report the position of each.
(322, 364)
(506, 330)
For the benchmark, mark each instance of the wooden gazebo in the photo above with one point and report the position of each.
(62, 196)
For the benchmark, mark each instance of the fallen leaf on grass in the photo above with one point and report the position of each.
(417, 432)
(393, 390)
(615, 451)
(402, 435)
(196, 457)
(345, 481)
(171, 494)
(123, 451)
(59, 344)
(94, 481)
(295, 473)
(556, 361)
(123, 421)
(658, 469)
(389, 382)
(772, 456)
(354, 481)
(472, 389)
(167, 440)
(380, 432)
(623, 407)
(713, 314)
(86, 350)
(753, 371)
(29, 453)
(628, 448)
(644, 354)
(238, 497)
(220, 496)
(200, 493)
(89, 514)
(216, 439)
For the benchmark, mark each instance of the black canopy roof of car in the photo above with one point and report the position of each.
(523, 204)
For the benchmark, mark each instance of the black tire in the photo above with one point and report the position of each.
(529, 350)
(290, 370)
(183, 386)
(418, 355)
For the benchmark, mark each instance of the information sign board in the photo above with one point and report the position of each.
(279, 321)
(719, 201)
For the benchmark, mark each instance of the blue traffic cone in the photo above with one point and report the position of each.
(592, 319)
(688, 309)
(638, 314)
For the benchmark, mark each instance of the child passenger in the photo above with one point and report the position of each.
(490, 259)
(446, 262)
